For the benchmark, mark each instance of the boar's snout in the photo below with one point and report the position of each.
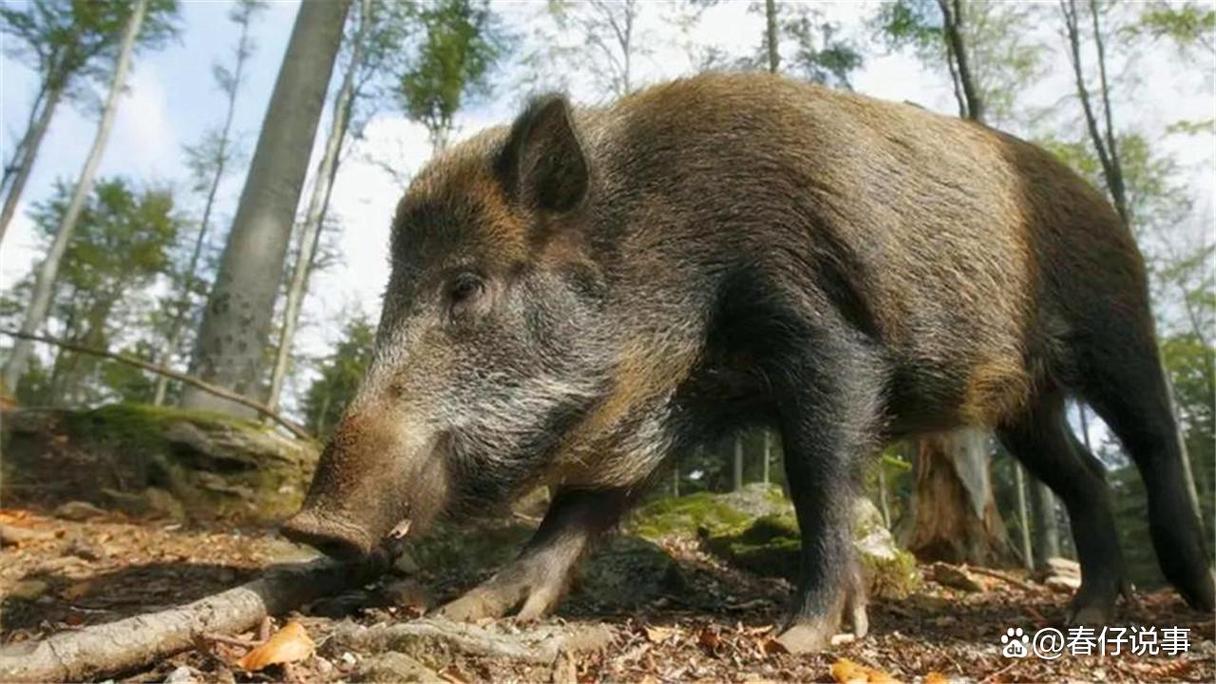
(335, 538)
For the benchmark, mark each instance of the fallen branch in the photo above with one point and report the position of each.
(434, 640)
(1025, 586)
(135, 642)
(218, 391)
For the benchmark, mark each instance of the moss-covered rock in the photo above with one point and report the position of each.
(148, 460)
(755, 529)
(705, 513)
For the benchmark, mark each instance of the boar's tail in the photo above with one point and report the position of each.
(1124, 380)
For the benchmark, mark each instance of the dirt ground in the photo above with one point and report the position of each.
(65, 574)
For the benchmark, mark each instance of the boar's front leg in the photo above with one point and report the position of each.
(828, 418)
(537, 580)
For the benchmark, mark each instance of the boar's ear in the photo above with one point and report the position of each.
(542, 164)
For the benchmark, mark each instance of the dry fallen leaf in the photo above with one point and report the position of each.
(936, 678)
(846, 671)
(659, 634)
(288, 645)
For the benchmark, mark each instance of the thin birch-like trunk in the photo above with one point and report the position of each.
(44, 283)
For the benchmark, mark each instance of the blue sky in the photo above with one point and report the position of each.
(172, 100)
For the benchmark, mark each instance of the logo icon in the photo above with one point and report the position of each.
(1014, 641)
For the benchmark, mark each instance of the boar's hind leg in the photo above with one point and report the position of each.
(1124, 381)
(1043, 442)
(536, 581)
(828, 407)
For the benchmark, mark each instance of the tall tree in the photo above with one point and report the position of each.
(65, 42)
(1105, 140)
(230, 349)
(208, 162)
(327, 169)
(463, 42)
(44, 285)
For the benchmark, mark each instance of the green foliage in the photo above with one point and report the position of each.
(820, 55)
(341, 373)
(1186, 25)
(1003, 56)
(64, 39)
(463, 42)
(120, 246)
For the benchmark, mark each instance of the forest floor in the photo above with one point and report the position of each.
(717, 625)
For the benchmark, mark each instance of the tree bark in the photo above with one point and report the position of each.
(318, 204)
(116, 647)
(1046, 529)
(177, 327)
(770, 35)
(768, 453)
(737, 480)
(237, 320)
(954, 516)
(952, 23)
(1023, 516)
(44, 282)
(28, 150)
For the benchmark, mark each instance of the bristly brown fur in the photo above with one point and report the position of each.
(580, 295)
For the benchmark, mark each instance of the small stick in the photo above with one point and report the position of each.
(231, 641)
(1003, 577)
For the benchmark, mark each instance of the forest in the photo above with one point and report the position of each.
(198, 200)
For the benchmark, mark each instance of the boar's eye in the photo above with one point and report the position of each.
(463, 291)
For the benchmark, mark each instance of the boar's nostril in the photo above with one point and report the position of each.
(335, 541)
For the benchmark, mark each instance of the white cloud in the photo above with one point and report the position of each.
(144, 141)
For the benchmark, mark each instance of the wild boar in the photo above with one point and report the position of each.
(577, 297)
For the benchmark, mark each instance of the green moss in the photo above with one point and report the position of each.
(686, 515)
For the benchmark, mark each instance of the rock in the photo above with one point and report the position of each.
(181, 675)
(1063, 585)
(394, 667)
(756, 530)
(152, 502)
(153, 461)
(77, 511)
(1063, 566)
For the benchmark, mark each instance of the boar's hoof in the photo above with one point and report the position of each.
(812, 634)
(522, 585)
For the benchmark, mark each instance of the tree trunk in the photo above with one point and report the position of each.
(737, 480)
(953, 515)
(318, 204)
(44, 282)
(770, 35)
(177, 327)
(883, 505)
(232, 338)
(768, 453)
(1046, 529)
(28, 150)
(1023, 516)
(952, 25)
